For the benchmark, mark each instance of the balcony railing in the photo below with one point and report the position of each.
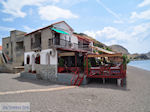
(36, 46)
(61, 43)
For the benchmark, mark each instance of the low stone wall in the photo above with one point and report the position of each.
(46, 72)
(49, 72)
(6, 68)
(27, 68)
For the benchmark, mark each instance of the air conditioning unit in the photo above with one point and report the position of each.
(52, 52)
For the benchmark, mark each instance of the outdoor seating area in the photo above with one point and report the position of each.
(93, 65)
(107, 66)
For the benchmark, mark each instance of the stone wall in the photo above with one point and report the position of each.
(45, 72)
(27, 67)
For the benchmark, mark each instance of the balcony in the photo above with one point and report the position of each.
(36, 46)
(61, 43)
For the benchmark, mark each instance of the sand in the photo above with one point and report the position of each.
(95, 97)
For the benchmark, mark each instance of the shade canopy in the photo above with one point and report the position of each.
(103, 50)
(59, 31)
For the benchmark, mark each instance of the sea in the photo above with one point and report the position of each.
(144, 64)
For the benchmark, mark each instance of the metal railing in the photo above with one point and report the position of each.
(35, 46)
(61, 43)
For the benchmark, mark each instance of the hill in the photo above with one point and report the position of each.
(119, 49)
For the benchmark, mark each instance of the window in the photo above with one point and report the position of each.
(19, 45)
(38, 38)
(28, 59)
(57, 38)
(7, 45)
(37, 59)
(50, 42)
(36, 41)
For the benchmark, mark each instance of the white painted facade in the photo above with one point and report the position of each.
(45, 57)
(48, 56)
(66, 28)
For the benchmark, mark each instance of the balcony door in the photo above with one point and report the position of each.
(57, 38)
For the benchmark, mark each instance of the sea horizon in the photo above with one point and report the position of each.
(143, 64)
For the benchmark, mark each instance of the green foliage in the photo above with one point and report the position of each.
(98, 45)
(94, 51)
(107, 48)
(100, 52)
(125, 61)
(89, 65)
(61, 62)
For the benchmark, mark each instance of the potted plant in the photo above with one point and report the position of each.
(125, 62)
(89, 65)
(61, 65)
(34, 71)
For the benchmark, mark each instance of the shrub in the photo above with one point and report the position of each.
(61, 62)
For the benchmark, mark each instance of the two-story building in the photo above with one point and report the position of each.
(13, 48)
(54, 46)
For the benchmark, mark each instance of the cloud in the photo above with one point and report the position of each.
(144, 3)
(118, 21)
(109, 10)
(52, 12)
(141, 30)
(108, 33)
(8, 19)
(28, 29)
(3, 28)
(141, 15)
(14, 7)
(134, 38)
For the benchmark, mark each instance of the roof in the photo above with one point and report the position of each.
(49, 26)
(0, 48)
(83, 37)
(88, 38)
(75, 50)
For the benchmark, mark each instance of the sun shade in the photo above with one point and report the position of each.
(59, 31)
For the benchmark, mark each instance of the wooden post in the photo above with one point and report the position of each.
(75, 59)
(87, 65)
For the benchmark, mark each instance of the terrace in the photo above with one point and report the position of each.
(62, 43)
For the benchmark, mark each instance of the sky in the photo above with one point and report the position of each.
(123, 22)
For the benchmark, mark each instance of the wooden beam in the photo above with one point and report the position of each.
(105, 55)
(67, 54)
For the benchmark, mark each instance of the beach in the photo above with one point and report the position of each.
(94, 97)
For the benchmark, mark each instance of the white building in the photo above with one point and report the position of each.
(44, 48)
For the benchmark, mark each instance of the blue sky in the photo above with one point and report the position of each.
(124, 22)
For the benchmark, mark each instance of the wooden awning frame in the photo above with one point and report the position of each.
(105, 55)
(66, 54)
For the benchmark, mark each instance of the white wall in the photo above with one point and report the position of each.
(53, 59)
(65, 28)
(74, 39)
(28, 54)
(43, 58)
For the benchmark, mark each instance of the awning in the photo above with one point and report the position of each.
(59, 31)
(103, 50)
